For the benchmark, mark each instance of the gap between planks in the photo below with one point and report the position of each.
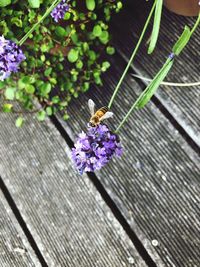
(21, 222)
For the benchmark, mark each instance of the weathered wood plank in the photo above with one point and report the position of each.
(156, 183)
(182, 103)
(14, 247)
(66, 215)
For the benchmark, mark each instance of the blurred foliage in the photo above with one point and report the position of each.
(62, 59)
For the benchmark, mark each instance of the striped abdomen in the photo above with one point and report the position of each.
(100, 112)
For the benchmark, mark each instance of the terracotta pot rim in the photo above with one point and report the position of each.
(185, 8)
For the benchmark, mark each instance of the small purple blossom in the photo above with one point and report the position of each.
(59, 11)
(10, 57)
(95, 148)
(171, 56)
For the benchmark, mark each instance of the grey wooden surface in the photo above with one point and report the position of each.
(156, 182)
(182, 103)
(15, 250)
(67, 217)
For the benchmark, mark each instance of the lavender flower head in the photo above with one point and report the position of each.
(10, 57)
(59, 11)
(95, 148)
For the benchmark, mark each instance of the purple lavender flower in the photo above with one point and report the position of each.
(59, 11)
(10, 57)
(94, 149)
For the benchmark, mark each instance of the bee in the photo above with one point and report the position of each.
(98, 116)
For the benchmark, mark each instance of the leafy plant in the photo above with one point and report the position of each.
(62, 59)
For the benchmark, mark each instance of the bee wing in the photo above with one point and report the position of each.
(91, 106)
(107, 115)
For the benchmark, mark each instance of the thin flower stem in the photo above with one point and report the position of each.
(132, 56)
(25, 37)
(196, 24)
(168, 83)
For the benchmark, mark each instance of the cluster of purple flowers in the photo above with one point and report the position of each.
(94, 149)
(59, 11)
(10, 57)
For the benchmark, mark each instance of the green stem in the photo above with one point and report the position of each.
(25, 37)
(168, 83)
(195, 25)
(132, 56)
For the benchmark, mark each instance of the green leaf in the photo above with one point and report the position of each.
(79, 64)
(92, 55)
(26, 79)
(4, 3)
(182, 41)
(4, 28)
(55, 99)
(97, 31)
(48, 71)
(73, 55)
(34, 3)
(44, 48)
(156, 26)
(67, 16)
(153, 86)
(2, 84)
(60, 32)
(45, 89)
(65, 117)
(41, 115)
(110, 50)
(30, 89)
(17, 22)
(105, 66)
(19, 122)
(86, 86)
(104, 37)
(49, 111)
(10, 93)
(90, 4)
(7, 107)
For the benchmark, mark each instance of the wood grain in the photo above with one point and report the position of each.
(14, 247)
(156, 182)
(67, 217)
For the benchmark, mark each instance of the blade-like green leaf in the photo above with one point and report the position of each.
(156, 26)
(153, 86)
(182, 41)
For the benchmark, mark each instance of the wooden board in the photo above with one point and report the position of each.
(182, 102)
(156, 182)
(14, 247)
(67, 217)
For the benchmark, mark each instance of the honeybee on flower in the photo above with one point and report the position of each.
(98, 145)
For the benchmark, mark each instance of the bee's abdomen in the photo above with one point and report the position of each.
(103, 109)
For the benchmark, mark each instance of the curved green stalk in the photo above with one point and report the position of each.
(196, 24)
(168, 83)
(132, 56)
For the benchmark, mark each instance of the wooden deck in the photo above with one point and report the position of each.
(142, 210)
